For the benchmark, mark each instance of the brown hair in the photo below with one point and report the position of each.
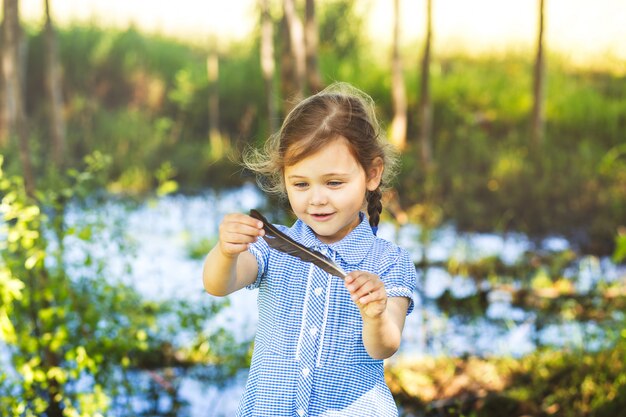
(340, 110)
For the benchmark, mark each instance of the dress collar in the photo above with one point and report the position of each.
(352, 249)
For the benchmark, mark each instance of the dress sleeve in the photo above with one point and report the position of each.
(400, 278)
(261, 251)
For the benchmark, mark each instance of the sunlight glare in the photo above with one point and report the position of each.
(582, 30)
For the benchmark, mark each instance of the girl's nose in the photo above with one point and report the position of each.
(318, 196)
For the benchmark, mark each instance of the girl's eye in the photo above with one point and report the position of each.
(300, 184)
(334, 183)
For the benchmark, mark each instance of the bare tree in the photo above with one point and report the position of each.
(54, 89)
(398, 89)
(13, 115)
(537, 127)
(4, 132)
(311, 41)
(268, 66)
(8, 56)
(214, 104)
(293, 63)
(425, 105)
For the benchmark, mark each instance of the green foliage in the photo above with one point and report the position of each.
(74, 334)
(336, 37)
(571, 384)
(487, 178)
(545, 383)
(199, 249)
(164, 175)
(620, 247)
(143, 100)
(342, 46)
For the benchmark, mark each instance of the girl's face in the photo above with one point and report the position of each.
(326, 190)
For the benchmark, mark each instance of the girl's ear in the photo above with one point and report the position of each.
(375, 174)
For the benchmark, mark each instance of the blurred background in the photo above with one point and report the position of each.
(121, 127)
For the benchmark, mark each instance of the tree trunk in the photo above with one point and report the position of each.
(398, 89)
(425, 106)
(4, 133)
(311, 41)
(267, 63)
(53, 86)
(297, 55)
(287, 68)
(9, 61)
(14, 118)
(217, 146)
(537, 129)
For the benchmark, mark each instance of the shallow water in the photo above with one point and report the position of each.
(161, 268)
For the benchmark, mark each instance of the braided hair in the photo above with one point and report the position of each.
(374, 207)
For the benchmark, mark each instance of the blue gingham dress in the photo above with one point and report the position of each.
(309, 358)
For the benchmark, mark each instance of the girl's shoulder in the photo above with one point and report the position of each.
(382, 245)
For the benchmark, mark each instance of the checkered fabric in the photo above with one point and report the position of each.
(309, 358)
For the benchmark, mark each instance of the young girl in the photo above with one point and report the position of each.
(321, 340)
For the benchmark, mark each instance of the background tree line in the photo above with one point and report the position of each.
(489, 141)
(515, 143)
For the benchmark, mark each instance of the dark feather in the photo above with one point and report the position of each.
(283, 243)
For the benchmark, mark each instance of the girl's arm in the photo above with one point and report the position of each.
(383, 317)
(229, 266)
(382, 334)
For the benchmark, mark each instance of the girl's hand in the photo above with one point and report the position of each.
(237, 232)
(368, 292)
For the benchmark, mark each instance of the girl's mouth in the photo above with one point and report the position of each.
(321, 216)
